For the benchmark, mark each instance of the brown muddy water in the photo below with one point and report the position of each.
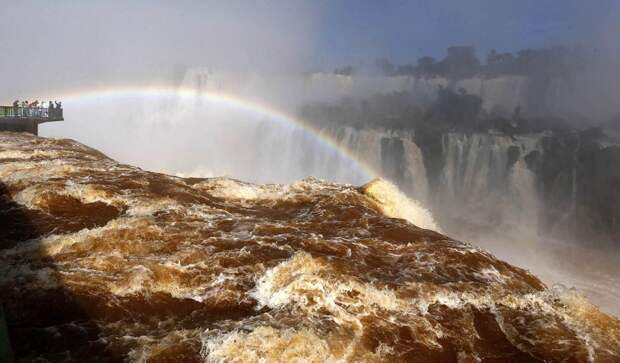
(107, 262)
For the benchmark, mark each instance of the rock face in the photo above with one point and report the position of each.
(106, 262)
(581, 179)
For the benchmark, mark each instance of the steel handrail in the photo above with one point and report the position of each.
(30, 112)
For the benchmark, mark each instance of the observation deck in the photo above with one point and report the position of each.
(27, 118)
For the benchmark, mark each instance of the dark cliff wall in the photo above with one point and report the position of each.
(19, 125)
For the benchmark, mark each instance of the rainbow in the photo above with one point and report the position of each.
(226, 100)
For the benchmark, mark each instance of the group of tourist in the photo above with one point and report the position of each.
(35, 108)
(37, 104)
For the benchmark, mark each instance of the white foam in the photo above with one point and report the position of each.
(266, 344)
(309, 284)
(19, 154)
(236, 190)
(395, 204)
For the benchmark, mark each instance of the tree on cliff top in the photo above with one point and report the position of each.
(454, 109)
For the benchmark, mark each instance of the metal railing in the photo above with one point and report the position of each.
(30, 112)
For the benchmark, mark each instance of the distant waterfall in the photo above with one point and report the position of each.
(524, 194)
(291, 153)
(485, 178)
(392, 154)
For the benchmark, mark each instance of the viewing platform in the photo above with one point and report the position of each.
(27, 118)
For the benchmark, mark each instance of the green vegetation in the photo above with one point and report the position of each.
(451, 111)
(461, 62)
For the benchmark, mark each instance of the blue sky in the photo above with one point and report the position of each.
(352, 31)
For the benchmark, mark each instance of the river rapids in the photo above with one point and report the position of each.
(104, 262)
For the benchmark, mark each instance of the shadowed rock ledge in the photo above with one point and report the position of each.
(107, 262)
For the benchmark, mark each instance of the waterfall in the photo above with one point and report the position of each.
(393, 155)
(522, 188)
(485, 179)
(415, 172)
(288, 154)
